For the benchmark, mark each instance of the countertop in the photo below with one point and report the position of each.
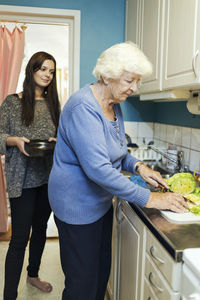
(174, 237)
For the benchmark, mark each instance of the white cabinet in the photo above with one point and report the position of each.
(168, 32)
(132, 27)
(131, 255)
(151, 41)
(148, 292)
(162, 273)
(112, 282)
(144, 27)
(145, 270)
(181, 43)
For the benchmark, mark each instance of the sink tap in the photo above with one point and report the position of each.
(179, 161)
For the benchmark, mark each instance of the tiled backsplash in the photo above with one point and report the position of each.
(138, 131)
(183, 138)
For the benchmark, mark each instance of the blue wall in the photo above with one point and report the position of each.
(102, 25)
(139, 111)
(174, 113)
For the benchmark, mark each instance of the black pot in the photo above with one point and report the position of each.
(39, 148)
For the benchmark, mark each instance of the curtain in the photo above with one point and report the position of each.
(11, 56)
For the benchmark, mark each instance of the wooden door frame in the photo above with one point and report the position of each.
(25, 14)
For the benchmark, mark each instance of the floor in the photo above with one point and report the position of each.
(50, 271)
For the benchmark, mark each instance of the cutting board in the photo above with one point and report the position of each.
(185, 218)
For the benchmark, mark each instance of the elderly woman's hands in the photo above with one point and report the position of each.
(172, 201)
(152, 177)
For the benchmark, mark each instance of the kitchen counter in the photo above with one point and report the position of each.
(174, 237)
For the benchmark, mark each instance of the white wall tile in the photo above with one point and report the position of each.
(177, 135)
(131, 128)
(194, 160)
(173, 135)
(186, 156)
(195, 139)
(156, 130)
(145, 130)
(162, 132)
(170, 134)
(186, 137)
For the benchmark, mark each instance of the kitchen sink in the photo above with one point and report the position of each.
(157, 167)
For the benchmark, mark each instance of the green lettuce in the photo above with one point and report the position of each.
(182, 183)
(195, 210)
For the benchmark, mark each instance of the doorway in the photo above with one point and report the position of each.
(53, 39)
(47, 30)
(56, 31)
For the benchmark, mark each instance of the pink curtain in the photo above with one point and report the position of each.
(11, 56)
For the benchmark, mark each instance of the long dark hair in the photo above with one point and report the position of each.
(50, 92)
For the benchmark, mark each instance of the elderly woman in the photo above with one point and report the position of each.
(90, 153)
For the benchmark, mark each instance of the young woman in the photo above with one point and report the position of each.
(31, 114)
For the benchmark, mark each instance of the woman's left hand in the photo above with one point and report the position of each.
(52, 139)
(153, 178)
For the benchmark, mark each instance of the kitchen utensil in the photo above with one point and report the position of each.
(180, 218)
(39, 148)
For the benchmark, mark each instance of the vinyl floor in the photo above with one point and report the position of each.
(50, 271)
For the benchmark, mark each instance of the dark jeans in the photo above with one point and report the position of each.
(86, 258)
(30, 211)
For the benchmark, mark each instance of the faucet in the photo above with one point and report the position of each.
(179, 161)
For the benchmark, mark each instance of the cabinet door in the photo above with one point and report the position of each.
(113, 272)
(132, 28)
(148, 292)
(151, 41)
(131, 258)
(181, 42)
(144, 26)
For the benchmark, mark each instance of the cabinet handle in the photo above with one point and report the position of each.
(155, 257)
(194, 63)
(119, 221)
(153, 284)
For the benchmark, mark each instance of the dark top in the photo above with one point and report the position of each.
(22, 171)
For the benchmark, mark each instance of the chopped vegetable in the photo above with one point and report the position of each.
(197, 191)
(195, 210)
(193, 197)
(182, 183)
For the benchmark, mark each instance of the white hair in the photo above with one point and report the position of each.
(117, 59)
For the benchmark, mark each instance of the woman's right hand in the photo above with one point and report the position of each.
(18, 142)
(172, 201)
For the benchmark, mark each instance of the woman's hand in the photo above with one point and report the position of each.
(172, 201)
(18, 142)
(52, 139)
(152, 177)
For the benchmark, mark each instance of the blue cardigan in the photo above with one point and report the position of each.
(90, 153)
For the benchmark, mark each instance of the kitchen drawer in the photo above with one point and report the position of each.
(148, 292)
(170, 269)
(158, 282)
